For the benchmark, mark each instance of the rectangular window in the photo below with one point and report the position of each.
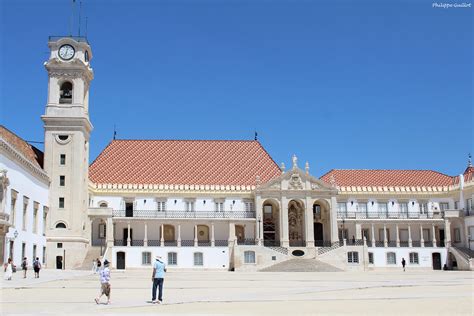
(444, 206)
(189, 205)
(342, 207)
(62, 181)
(61, 202)
(44, 255)
(146, 258)
(423, 207)
(25, 210)
(34, 252)
(391, 258)
(13, 206)
(249, 257)
(45, 214)
(382, 208)
(23, 250)
(219, 206)
(62, 159)
(371, 258)
(343, 234)
(426, 234)
(414, 258)
(172, 258)
(248, 206)
(456, 205)
(353, 257)
(403, 208)
(102, 231)
(457, 235)
(362, 207)
(59, 245)
(469, 205)
(198, 259)
(35, 216)
(161, 206)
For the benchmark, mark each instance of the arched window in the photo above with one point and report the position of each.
(60, 225)
(198, 259)
(103, 204)
(249, 257)
(65, 93)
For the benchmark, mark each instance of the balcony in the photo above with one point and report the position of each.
(153, 214)
(388, 215)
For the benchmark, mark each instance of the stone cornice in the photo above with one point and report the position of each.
(397, 190)
(10, 151)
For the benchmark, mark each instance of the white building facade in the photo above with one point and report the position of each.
(25, 205)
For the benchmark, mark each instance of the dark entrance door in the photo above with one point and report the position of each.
(436, 261)
(125, 237)
(120, 260)
(441, 237)
(128, 209)
(59, 262)
(318, 234)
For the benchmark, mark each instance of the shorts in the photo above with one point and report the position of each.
(105, 289)
(37, 270)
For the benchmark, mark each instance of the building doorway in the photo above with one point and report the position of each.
(318, 234)
(59, 262)
(240, 233)
(12, 248)
(436, 261)
(128, 209)
(441, 237)
(271, 227)
(120, 260)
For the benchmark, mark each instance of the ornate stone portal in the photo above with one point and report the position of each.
(296, 224)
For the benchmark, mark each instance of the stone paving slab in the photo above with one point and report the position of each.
(246, 293)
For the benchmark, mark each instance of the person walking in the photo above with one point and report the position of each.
(94, 266)
(8, 270)
(104, 282)
(403, 264)
(158, 276)
(37, 267)
(24, 267)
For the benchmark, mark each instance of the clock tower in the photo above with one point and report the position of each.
(66, 150)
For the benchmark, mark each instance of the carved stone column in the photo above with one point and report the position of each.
(179, 236)
(434, 235)
(373, 235)
(145, 238)
(410, 242)
(385, 241)
(333, 220)
(284, 235)
(398, 235)
(422, 241)
(309, 221)
(110, 233)
(128, 235)
(196, 243)
(162, 238)
(213, 241)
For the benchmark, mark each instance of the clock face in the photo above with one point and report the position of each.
(66, 52)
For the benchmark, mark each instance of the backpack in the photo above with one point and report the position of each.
(23, 265)
(36, 264)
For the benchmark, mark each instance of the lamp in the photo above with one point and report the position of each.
(15, 234)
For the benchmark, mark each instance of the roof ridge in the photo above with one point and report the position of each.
(187, 140)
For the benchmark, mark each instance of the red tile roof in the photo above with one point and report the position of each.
(31, 153)
(213, 162)
(387, 178)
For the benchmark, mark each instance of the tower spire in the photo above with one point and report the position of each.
(469, 161)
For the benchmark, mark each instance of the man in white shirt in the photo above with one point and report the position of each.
(104, 282)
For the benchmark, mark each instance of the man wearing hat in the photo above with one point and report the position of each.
(104, 282)
(159, 269)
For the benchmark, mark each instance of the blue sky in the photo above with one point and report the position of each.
(342, 84)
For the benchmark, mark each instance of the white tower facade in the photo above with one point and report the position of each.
(66, 153)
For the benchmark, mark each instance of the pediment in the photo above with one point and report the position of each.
(297, 180)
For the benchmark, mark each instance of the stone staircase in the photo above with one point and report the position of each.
(465, 252)
(301, 265)
(92, 253)
(464, 257)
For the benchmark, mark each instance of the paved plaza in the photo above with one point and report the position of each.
(237, 293)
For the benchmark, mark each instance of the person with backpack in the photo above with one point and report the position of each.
(104, 282)
(37, 267)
